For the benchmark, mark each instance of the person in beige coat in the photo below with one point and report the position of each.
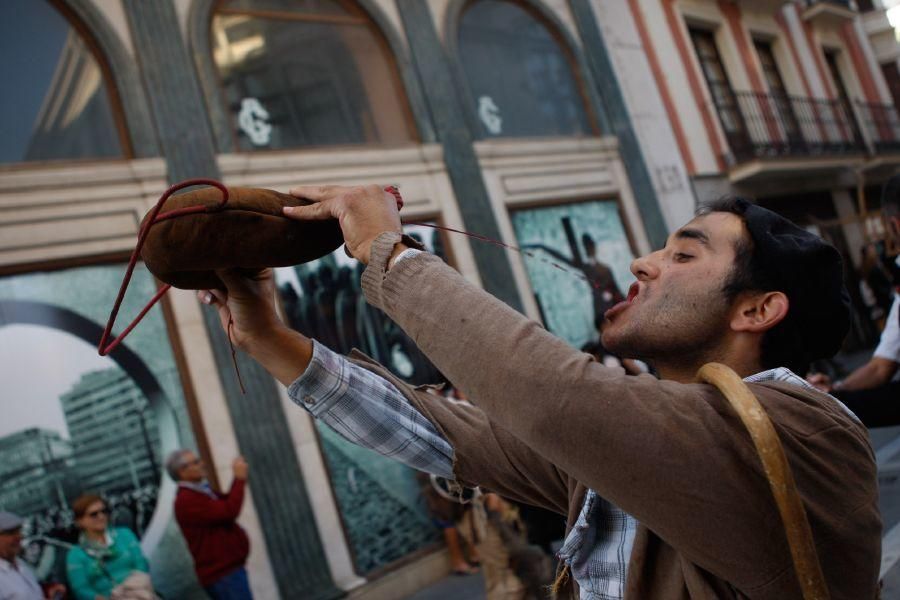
(664, 494)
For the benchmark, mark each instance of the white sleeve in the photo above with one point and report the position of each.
(889, 346)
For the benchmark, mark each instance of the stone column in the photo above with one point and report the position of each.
(276, 481)
(457, 140)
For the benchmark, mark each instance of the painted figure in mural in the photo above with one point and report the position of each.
(17, 581)
(329, 305)
(605, 293)
(208, 521)
(107, 562)
(663, 492)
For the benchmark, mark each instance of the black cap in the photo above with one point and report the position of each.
(810, 272)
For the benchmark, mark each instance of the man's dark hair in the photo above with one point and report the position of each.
(782, 346)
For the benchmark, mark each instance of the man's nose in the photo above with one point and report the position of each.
(645, 267)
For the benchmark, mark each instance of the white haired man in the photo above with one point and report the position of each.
(208, 521)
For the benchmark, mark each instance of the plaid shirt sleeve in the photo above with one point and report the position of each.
(369, 411)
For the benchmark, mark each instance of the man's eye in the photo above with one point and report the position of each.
(682, 257)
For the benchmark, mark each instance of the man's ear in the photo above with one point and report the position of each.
(759, 312)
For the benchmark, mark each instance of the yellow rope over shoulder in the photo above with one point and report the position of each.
(778, 472)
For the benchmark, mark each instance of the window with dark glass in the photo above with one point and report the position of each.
(778, 101)
(831, 60)
(306, 73)
(520, 75)
(892, 77)
(843, 98)
(720, 88)
(56, 102)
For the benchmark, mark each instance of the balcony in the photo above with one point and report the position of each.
(776, 136)
(882, 126)
(771, 126)
(829, 12)
(762, 5)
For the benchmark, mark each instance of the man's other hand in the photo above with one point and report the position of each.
(239, 468)
(248, 300)
(820, 381)
(363, 213)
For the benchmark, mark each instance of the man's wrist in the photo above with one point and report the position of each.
(261, 337)
(387, 246)
(399, 248)
(283, 352)
(364, 252)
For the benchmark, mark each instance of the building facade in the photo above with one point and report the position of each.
(36, 470)
(113, 435)
(880, 19)
(583, 130)
(783, 102)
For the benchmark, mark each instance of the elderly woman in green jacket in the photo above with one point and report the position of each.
(105, 557)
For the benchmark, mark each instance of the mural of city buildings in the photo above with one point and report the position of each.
(84, 423)
(114, 440)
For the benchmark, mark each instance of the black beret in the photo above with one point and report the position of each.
(810, 272)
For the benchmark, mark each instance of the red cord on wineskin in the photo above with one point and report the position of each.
(153, 218)
(156, 217)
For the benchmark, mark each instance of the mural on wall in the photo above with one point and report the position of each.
(74, 422)
(383, 514)
(587, 238)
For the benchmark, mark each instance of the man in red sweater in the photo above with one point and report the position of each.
(208, 521)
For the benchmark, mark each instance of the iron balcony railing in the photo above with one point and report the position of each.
(848, 4)
(882, 125)
(761, 125)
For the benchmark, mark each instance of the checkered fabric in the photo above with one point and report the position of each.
(369, 411)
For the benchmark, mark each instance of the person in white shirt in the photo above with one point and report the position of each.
(879, 370)
(872, 390)
(17, 582)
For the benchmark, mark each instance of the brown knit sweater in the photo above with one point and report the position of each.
(552, 422)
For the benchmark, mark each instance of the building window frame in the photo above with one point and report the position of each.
(612, 198)
(720, 92)
(832, 58)
(779, 99)
(575, 59)
(415, 111)
(114, 95)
